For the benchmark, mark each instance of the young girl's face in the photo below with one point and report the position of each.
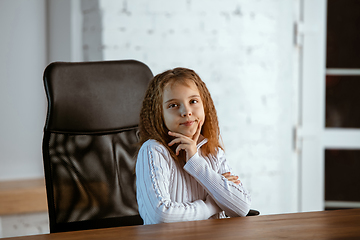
(183, 108)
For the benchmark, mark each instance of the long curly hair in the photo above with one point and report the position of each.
(152, 125)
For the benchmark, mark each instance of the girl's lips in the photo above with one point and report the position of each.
(187, 123)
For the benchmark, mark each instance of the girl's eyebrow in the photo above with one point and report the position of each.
(173, 99)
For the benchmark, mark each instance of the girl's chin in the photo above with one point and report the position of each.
(188, 134)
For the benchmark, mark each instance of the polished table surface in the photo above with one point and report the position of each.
(337, 224)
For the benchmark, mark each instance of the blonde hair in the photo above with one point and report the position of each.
(152, 125)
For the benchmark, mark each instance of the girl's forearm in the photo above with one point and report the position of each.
(230, 197)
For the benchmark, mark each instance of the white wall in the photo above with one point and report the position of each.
(243, 50)
(22, 105)
(24, 224)
(33, 34)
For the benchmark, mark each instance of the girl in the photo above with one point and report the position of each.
(182, 173)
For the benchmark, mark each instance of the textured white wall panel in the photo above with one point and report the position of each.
(243, 50)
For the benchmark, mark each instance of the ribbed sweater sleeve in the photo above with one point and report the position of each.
(153, 185)
(230, 197)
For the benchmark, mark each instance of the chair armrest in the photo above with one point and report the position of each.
(253, 212)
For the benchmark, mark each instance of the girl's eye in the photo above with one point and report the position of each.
(172, 105)
(194, 101)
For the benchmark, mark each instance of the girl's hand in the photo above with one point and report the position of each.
(231, 178)
(188, 144)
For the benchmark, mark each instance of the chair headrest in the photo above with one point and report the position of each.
(94, 96)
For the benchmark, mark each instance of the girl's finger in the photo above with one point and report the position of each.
(237, 182)
(233, 178)
(178, 135)
(226, 174)
(179, 148)
(198, 131)
(175, 134)
(172, 133)
(179, 140)
(176, 140)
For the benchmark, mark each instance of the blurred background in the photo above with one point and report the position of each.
(284, 76)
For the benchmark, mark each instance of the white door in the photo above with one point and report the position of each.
(311, 41)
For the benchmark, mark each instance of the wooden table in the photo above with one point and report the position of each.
(339, 224)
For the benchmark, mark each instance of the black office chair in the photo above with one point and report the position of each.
(253, 212)
(90, 142)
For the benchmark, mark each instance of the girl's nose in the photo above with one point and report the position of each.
(185, 112)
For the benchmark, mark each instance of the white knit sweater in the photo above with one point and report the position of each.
(167, 192)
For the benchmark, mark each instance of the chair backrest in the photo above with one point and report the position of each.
(90, 142)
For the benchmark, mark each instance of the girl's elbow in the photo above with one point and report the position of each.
(240, 211)
(155, 217)
(245, 210)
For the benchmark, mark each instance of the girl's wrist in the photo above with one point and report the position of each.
(191, 157)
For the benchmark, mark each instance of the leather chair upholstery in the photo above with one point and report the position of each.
(90, 142)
